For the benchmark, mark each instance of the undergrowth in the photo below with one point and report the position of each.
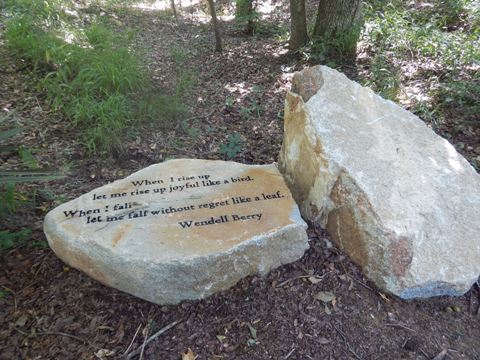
(90, 74)
(12, 200)
(427, 54)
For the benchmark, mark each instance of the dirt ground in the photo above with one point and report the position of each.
(51, 311)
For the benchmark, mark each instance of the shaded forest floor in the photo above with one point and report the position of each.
(50, 311)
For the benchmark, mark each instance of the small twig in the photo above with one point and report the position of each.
(14, 297)
(131, 342)
(153, 337)
(424, 353)
(290, 353)
(146, 332)
(441, 355)
(300, 277)
(364, 285)
(346, 343)
(400, 326)
(57, 333)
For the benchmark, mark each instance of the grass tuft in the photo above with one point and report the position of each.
(94, 79)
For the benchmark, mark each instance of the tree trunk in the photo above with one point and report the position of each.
(298, 24)
(216, 28)
(244, 14)
(340, 21)
(172, 4)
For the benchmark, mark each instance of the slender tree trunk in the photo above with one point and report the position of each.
(172, 4)
(216, 28)
(244, 13)
(340, 20)
(298, 24)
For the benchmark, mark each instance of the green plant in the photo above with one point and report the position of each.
(15, 176)
(32, 43)
(95, 79)
(245, 112)
(384, 78)
(27, 158)
(9, 240)
(229, 101)
(253, 108)
(9, 196)
(462, 94)
(178, 55)
(246, 16)
(430, 50)
(4, 293)
(193, 132)
(442, 13)
(252, 341)
(185, 81)
(8, 202)
(8, 178)
(339, 45)
(233, 147)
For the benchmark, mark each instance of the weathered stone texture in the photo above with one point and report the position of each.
(395, 196)
(122, 239)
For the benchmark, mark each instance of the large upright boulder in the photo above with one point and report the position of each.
(183, 229)
(395, 196)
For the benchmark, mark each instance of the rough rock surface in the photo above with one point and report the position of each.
(395, 196)
(182, 229)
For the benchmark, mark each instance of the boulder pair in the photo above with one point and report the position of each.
(397, 198)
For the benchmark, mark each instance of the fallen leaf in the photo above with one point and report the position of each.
(253, 331)
(251, 342)
(21, 321)
(441, 355)
(189, 355)
(104, 353)
(327, 310)
(221, 338)
(105, 327)
(314, 280)
(384, 297)
(323, 341)
(325, 296)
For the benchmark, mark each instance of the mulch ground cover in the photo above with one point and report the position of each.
(51, 311)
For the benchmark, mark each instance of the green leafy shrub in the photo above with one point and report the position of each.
(246, 16)
(33, 44)
(233, 147)
(94, 79)
(438, 42)
(8, 178)
(9, 240)
(8, 194)
(462, 94)
(384, 79)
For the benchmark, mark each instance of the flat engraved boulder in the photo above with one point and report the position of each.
(183, 229)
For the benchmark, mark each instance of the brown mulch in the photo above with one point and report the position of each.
(50, 311)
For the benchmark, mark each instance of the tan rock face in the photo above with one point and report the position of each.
(179, 230)
(395, 196)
